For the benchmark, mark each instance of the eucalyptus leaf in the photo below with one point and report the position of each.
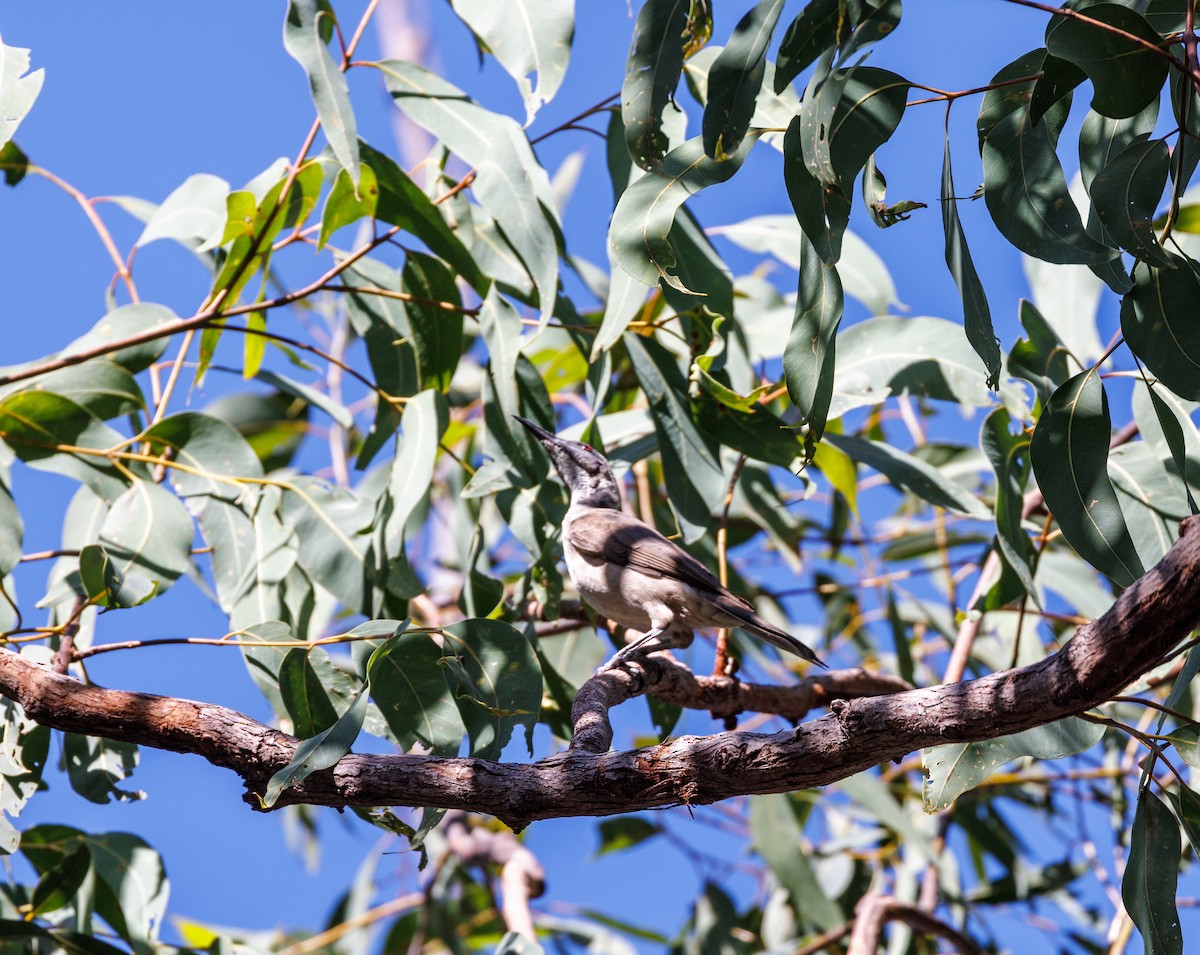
(1157, 319)
(1152, 875)
(1070, 454)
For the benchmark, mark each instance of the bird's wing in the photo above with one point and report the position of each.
(620, 538)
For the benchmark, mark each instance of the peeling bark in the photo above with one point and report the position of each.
(1103, 657)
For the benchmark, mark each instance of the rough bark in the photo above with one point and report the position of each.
(1103, 657)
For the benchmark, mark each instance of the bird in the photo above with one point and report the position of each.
(632, 574)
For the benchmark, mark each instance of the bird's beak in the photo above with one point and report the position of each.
(538, 432)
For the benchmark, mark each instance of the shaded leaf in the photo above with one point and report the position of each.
(665, 33)
(319, 752)
(1070, 454)
(624, 832)
(1152, 875)
(1009, 457)
(125, 322)
(1126, 76)
(499, 686)
(809, 357)
(1126, 193)
(646, 210)
(1158, 321)
(823, 211)
(1040, 359)
(410, 689)
(976, 314)
(735, 79)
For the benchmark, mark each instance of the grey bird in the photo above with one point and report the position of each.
(631, 574)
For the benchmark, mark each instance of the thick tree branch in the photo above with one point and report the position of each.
(661, 675)
(1103, 657)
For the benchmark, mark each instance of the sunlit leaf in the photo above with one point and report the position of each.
(527, 38)
(306, 34)
(409, 687)
(18, 89)
(956, 768)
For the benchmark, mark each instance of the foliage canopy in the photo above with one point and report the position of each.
(911, 493)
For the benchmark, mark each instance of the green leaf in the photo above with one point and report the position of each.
(509, 182)
(122, 323)
(57, 887)
(1187, 809)
(1126, 194)
(1070, 456)
(401, 202)
(310, 395)
(1126, 75)
(822, 24)
(847, 118)
(1008, 453)
(17, 90)
(304, 695)
(35, 424)
(921, 356)
(809, 357)
(319, 752)
(1174, 439)
(1059, 77)
(95, 766)
(778, 839)
(12, 527)
(646, 210)
(956, 768)
(527, 38)
(667, 31)
(13, 162)
(306, 34)
(822, 211)
(193, 214)
(691, 464)
(1025, 188)
(1152, 875)
(347, 202)
(24, 746)
(502, 688)
(976, 314)
(435, 319)
(330, 522)
(148, 534)
(624, 832)
(910, 474)
(736, 78)
(1158, 319)
(1040, 359)
(409, 687)
(1102, 138)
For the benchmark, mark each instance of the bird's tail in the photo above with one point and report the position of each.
(749, 620)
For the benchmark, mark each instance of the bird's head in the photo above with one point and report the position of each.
(583, 469)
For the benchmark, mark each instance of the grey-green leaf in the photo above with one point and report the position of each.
(956, 768)
(319, 752)
(1070, 457)
(306, 34)
(977, 316)
(646, 211)
(662, 37)
(910, 474)
(527, 37)
(1152, 875)
(736, 78)
(1158, 321)
(809, 357)
(18, 90)
(1008, 451)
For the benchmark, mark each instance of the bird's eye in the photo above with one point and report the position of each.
(588, 447)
